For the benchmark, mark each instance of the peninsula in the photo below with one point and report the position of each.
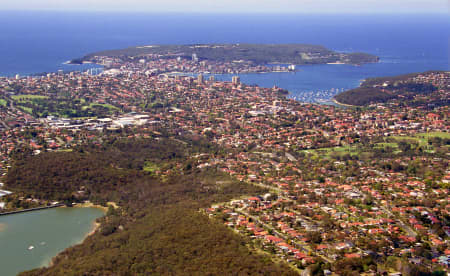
(220, 54)
(427, 89)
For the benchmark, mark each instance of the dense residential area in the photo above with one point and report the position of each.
(336, 190)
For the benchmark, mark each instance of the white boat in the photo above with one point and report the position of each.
(30, 247)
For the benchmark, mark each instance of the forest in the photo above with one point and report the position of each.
(403, 88)
(158, 228)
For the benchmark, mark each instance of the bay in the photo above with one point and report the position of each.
(37, 42)
(49, 231)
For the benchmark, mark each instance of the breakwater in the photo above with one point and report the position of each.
(31, 209)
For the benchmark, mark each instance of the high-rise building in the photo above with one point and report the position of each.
(236, 80)
(194, 57)
(200, 79)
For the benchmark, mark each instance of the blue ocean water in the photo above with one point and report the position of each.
(34, 42)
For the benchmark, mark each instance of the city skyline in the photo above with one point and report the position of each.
(235, 6)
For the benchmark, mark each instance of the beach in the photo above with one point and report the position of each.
(89, 204)
(343, 104)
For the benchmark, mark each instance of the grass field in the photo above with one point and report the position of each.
(392, 142)
(26, 109)
(385, 145)
(21, 99)
(411, 139)
(26, 98)
(93, 105)
(43, 106)
(443, 135)
(422, 138)
(327, 152)
(150, 167)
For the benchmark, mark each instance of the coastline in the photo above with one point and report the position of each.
(343, 104)
(89, 204)
(218, 74)
(95, 226)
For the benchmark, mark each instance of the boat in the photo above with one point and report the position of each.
(30, 247)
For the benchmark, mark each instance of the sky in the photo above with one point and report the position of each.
(235, 6)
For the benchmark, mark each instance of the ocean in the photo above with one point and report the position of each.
(36, 42)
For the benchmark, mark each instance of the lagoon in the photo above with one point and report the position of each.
(48, 231)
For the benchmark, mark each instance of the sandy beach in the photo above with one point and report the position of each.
(92, 205)
(95, 226)
(343, 104)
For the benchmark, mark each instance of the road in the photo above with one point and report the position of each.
(303, 247)
(405, 227)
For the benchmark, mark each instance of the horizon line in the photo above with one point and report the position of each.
(234, 12)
